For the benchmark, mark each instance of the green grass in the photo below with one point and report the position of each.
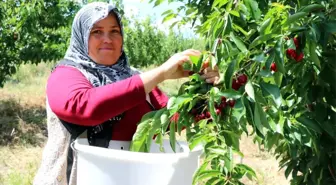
(18, 164)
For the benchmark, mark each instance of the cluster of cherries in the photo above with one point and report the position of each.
(219, 107)
(200, 115)
(293, 53)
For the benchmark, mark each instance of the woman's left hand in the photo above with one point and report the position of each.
(210, 75)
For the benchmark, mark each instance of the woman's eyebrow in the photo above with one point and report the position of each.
(99, 27)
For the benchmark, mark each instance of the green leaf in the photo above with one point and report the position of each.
(207, 174)
(259, 58)
(248, 170)
(313, 55)
(190, 11)
(227, 25)
(235, 13)
(228, 159)
(259, 98)
(155, 126)
(312, 8)
(148, 115)
(295, 17)
(172, 137)
(270, 60)
(259, 117)
(169, 17)
(249, 112)
(196, 140)
(218, 150)
(215, 181)
(329, 128)
(278, 78)
(139, 137)
(167, 12)
(164, 121)
(171, 102)
(229, 93)
(261, 39)
(330, 26)
(249, 90)
(290, 168)
(309, 123)
(253, 8)
(197, 62)
(271, 140)
(194, 59)
(174, 104)
(219, 3)
(229, 73)
(265, 25)
(279, 56)
(211, 107)
(273, 90)
(158, 2)
(218, 29)
(231, 139)
(198, 171)
(159, 141)
(238, 42)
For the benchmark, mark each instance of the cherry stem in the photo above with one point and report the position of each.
(331, 172)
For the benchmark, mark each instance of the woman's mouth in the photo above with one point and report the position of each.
(106, 49)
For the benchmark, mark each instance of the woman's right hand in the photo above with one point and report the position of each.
(173, 67)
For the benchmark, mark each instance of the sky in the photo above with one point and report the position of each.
(141, 9)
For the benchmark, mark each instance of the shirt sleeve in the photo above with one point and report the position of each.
(158, 98)
(73, 99)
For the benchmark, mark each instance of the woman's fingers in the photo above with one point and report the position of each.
(213, 80)
(191, 52)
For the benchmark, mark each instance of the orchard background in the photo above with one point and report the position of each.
(277, 66)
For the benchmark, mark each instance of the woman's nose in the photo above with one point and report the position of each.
(107, 38)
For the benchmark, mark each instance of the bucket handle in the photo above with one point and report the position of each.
(72, 146)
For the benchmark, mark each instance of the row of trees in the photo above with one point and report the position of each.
(39, 31)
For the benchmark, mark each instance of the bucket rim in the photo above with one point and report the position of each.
(132, 156)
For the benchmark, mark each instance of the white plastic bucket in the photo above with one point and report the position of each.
(118, 166)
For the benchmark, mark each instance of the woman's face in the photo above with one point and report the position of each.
(105, 41)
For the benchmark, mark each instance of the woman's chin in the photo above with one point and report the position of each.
(108, 62)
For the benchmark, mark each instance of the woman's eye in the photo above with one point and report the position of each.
(96, 32)
(115, 31)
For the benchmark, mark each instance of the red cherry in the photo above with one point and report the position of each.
(197, 118)
(273, 67)
(235, 84)
(296, 42)
(223, 99)
(208, 115)
(242, 79)
(218, 111)
(175, 117)
(206, 63)
(194, 111)
(222, 105)
(232, 103)
(291, 53)
(299, 57)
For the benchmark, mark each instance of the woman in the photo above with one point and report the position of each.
(94, 92)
